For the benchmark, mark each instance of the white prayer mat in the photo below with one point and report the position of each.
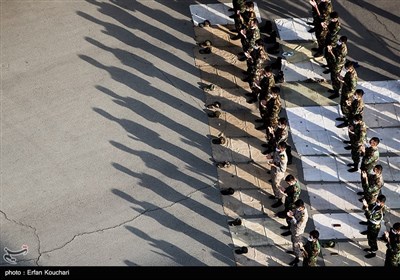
(294, 29)
(341, 226)
(381, 91)
(215, 13)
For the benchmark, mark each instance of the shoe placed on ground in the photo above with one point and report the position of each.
(360, 193)
(277, 204)
(242, 250)
(345, 124)
(285, 227)
(224, 164)
(242, 58)
(235, 222)
(370, 255)
(367, 250)
(347, 142)
(294, 262)
(353, 170)
(318, 54)
(364, 223)
(264, 145)
(310, 23)
(332, 91)
(228, 191)
(286, 233)
(215, 114)
(347, 148)
(266, 152)
(312, 30)
(327, 71)
(364, 232)
(205, 51)
(325, 65)
(350, 165)
(290, 252)
(234, 38)
(234, 16)
(220, 140)
(342, 120)
(270, 180)
(333, 96)
(272, 196)
(215, 104)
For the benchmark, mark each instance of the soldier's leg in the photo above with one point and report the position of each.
(276, 183)
(372, 235)
(289, 153)
(355, 156)
(296, 245)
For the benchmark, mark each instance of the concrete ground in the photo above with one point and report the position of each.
(106, 154)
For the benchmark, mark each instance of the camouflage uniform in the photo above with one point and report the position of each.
(370, 159)
(239, 5)
(279, 135)
(293, 193)
(348, 89)
(256, 64)
(311, 252)
(266, 84)
(297, 226)
(356, 108)
(325, 8)
(374, 213)
(280, 160)
(252, 35)
(333, 33)
(357, 141)
(338, 61)
(272, 111)
(393, 250)
(372, 186)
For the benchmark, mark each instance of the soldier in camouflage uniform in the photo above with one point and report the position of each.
(356, 107)
(277, 135)
(372, 184)
(255, 62)
(332, 36)
(358, 134)
(278, 169)
(374, 214)
(242, 17)
(311, 249)
(298, 221)
(273, 107)
(393, 246)
(249, 36)
(349, 85)
(292, 194)
(370, 155)
(336, 58)
(321, 30)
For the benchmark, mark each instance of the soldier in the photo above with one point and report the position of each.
(298, 220)
(358, 134)
(261, 87)
(317, 6)
(292, 194)
(272, 106)
(321, 29)
(356, 106)
(255, 62)
(372, 184)
(311, 249)
(374, 213)
(243, 17)
(393, 246)
(278, 168)
(249, 36)
(277, 135)
(336, 59)
(370, 155)
(349, 85)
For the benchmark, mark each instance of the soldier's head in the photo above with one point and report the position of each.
(377, 169)
(259, 43)
(358, 94)
(314, 235)
(253, 23)
(357, 119)
(334, 16)
(282, 122)
(290, 179)
(268, 70)
(299, 204)
(396, 227)
(342, 39)
(275, 91)
(380, 200)
(374, 141)
(249, 5)
(281, 146)
(349, 65)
